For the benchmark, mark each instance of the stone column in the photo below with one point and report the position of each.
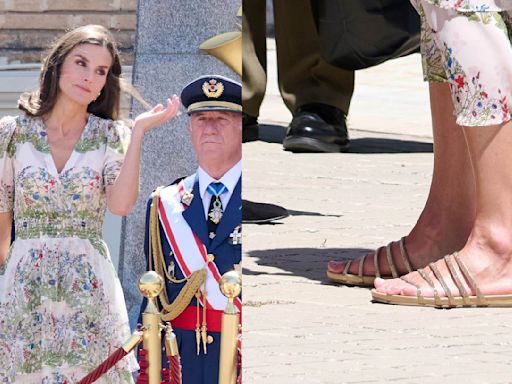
(167, 57)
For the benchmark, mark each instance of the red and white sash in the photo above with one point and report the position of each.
(189, 252)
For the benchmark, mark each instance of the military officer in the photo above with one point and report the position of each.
(193, 226)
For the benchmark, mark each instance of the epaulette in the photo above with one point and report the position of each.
(178, 180)
(156, 191)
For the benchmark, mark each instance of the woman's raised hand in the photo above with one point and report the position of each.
(157, 116)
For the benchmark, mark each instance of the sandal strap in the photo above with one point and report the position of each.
(389, 258)
(347, 266)
(418, 289)
(430, 282)
(376, 261)
(441, 280)
(361, 266)
(480, 299)
(391, 264)
(457, 280)
(405, 254)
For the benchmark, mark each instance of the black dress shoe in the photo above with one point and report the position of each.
(261, 213)
(317, 128)
(250, 130)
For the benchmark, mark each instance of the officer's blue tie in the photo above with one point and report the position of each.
(215, 210)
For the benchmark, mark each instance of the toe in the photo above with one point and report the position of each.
(378, 283)
(395, 287)
(336, 266)
(383, 286)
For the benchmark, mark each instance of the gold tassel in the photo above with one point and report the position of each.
(203, 328)
(198, 336)
(185, 296)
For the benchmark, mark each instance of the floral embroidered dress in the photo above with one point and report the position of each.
(468, 43)
(62, 309)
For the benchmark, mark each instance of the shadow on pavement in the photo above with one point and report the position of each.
(367, 145)
(308, 213)
(248, 220)
(379, 145)
(310, 263)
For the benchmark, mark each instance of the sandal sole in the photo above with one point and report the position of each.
(442, 302)
(349, 279)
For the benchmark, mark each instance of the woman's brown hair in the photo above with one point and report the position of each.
(107, 105)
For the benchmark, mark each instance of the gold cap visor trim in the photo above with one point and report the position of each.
(214, 105)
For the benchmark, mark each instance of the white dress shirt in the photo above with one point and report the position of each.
(229, 179)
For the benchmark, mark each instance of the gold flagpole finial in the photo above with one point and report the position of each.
(150, 285)
(231, 285)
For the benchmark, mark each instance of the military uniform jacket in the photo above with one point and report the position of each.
(202, 368)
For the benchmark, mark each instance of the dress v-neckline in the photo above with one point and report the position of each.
(50, 161)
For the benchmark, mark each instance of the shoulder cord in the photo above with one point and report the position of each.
(157, 263)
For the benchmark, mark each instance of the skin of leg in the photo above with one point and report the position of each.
(450, 206)
(488, 251)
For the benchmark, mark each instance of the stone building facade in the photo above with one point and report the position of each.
(27, 27)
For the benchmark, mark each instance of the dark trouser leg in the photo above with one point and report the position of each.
(304, 77)
(254, 51)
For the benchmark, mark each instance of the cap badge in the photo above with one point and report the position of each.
(213, 88)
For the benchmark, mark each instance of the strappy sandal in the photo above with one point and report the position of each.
(364, 281)
(448, 301)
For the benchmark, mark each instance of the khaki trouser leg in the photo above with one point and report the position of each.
(304, 77)
(254, 51)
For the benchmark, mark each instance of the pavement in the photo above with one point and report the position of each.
(298, 328)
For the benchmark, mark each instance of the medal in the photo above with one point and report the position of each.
(170, 269)
(216, 212)
(187, 197)
(236, 235)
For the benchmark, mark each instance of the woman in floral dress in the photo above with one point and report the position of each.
(62, 163)
(467, 59)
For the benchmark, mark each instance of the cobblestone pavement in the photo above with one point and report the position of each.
(300, 329)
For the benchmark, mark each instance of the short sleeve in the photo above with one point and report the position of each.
(118, 138)
(7, 148)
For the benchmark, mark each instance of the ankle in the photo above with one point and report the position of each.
(492, 236)
(442, 233)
